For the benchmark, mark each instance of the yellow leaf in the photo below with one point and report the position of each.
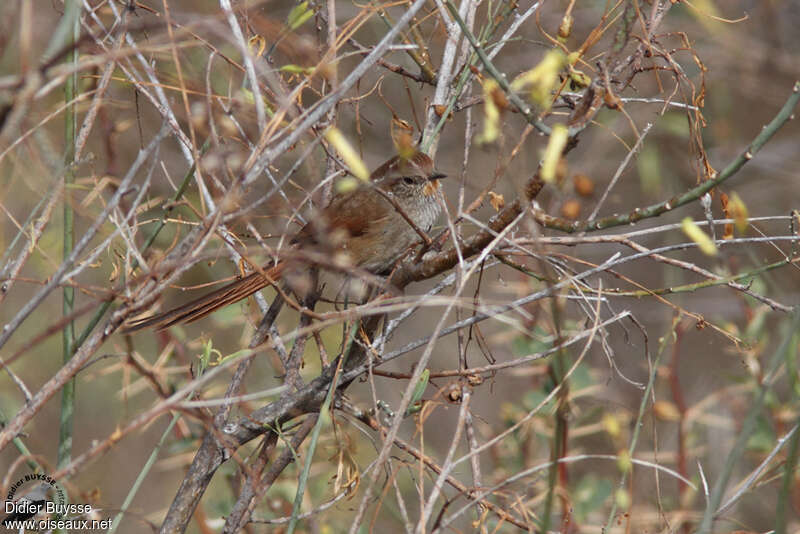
(694, 233)
(354, 163)
(666, 411)
(552, 154)
(299, 15)
(738, 211)
(345, 185)
(542, 79)
(296, 69)
(491, 113)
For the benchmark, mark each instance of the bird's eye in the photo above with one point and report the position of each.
(408, 180)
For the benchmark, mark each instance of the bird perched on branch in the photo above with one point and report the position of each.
(372, 226)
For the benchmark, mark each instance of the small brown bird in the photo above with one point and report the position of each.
(370, 225)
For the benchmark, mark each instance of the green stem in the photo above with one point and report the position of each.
(31, 462)
(640, 417)
(788, 481)
(324, 409)
(691, 288)
(784, 115)
(749, 425)
(143, 473)
(784, 496)
(72, 14)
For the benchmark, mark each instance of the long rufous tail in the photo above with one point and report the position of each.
(211, 302)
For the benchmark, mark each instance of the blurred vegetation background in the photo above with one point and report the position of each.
(678, 384)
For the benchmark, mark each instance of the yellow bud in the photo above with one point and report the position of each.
(565, 28)
(611, 425)
(666, 411)
(552, 153)
(622, 498)
(624, 461)
(579, 78)
(573, 58)
(345, 185)
(491, 113)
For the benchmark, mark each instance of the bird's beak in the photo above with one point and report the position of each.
(436, 176)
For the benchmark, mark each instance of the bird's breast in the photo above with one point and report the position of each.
(428, 213)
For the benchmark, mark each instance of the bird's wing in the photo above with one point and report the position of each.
(350, 212)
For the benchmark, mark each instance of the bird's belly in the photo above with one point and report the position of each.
(391, 246)
(387, 238)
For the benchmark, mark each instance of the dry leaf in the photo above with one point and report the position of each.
(497, 201)
(499, 98)
(584, 186)
(728, 234)
(402, 137)
(738, 212)
(114, 273)
(571, 209)
(257, 45)
(440, 111)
